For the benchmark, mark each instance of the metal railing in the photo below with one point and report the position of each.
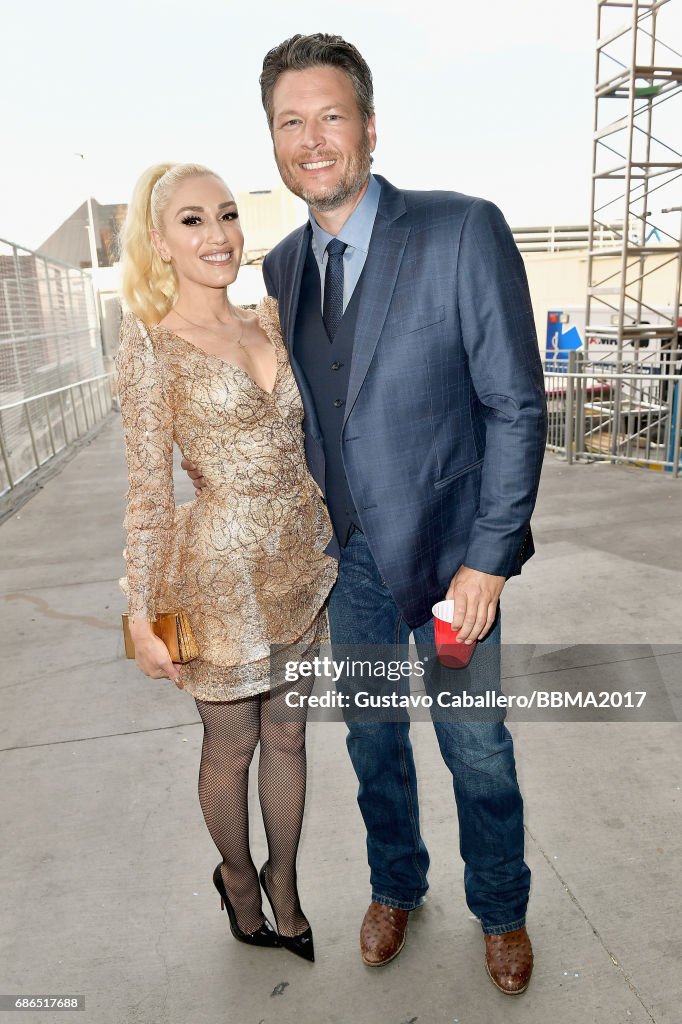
(52, 372)
(633, 416)
(34, 430)
(562, 237)
(49, 329)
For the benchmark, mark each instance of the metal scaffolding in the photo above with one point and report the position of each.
(636, 172)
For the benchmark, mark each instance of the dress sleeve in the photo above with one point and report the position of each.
(148, 434)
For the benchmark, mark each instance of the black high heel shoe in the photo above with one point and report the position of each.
(263, 936)
(301, 945)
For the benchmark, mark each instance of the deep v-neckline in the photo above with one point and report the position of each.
(233, 366)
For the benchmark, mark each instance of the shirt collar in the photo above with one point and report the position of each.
(357, 230)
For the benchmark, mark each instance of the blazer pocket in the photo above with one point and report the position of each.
(460, 472)
(415, 321)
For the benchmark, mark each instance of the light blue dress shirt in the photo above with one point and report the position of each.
(356, 233)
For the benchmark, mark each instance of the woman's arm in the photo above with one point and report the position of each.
(148, 434)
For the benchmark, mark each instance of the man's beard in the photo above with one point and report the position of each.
(348, 186)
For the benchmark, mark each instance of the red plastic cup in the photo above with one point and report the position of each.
(449, 652)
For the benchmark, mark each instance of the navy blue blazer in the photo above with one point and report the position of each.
(445, 417)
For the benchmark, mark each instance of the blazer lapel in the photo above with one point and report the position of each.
(386, 248)
(293, 275)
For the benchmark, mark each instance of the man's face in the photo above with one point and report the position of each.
(322, 144)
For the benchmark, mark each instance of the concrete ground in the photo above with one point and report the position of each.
(106, 865)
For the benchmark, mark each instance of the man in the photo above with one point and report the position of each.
(410, 332)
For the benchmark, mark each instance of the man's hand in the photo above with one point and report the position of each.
(194, 473)
(475, 594)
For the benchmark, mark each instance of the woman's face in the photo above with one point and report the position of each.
(201, 234)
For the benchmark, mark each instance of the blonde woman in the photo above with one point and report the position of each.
(245, 560)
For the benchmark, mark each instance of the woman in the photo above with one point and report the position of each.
(245, 561)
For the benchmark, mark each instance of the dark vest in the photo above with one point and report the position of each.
(326, 366)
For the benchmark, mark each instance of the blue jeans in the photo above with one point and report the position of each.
(479, 754)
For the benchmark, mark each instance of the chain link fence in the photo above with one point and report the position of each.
(53, 384)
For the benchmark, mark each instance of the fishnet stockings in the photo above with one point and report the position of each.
(232, 730)
(281, 791)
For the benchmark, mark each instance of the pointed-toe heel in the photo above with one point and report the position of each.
(302, 945)
(263, 936)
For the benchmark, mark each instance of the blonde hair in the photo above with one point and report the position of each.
(149, 287)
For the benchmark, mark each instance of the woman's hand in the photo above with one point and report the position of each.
(195, 475)
(151, 654)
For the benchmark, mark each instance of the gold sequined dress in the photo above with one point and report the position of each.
(245, 560)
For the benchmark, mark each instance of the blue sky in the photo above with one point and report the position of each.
(493, 99)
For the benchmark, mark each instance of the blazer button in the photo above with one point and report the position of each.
(336, 366)
(338, 403)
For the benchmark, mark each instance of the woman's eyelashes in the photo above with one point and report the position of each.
(191, 219)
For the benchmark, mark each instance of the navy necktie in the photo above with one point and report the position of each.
(332, 307)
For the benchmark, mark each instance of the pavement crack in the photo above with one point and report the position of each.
(61, 585)
(557, 670)
(595, 931)
(44, 608)
(60, 671)
(100, 736)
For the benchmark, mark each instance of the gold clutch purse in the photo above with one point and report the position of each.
(175, 631)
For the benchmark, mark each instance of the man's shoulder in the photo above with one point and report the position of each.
(427, 205)
(289, 244)
(445, 203)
